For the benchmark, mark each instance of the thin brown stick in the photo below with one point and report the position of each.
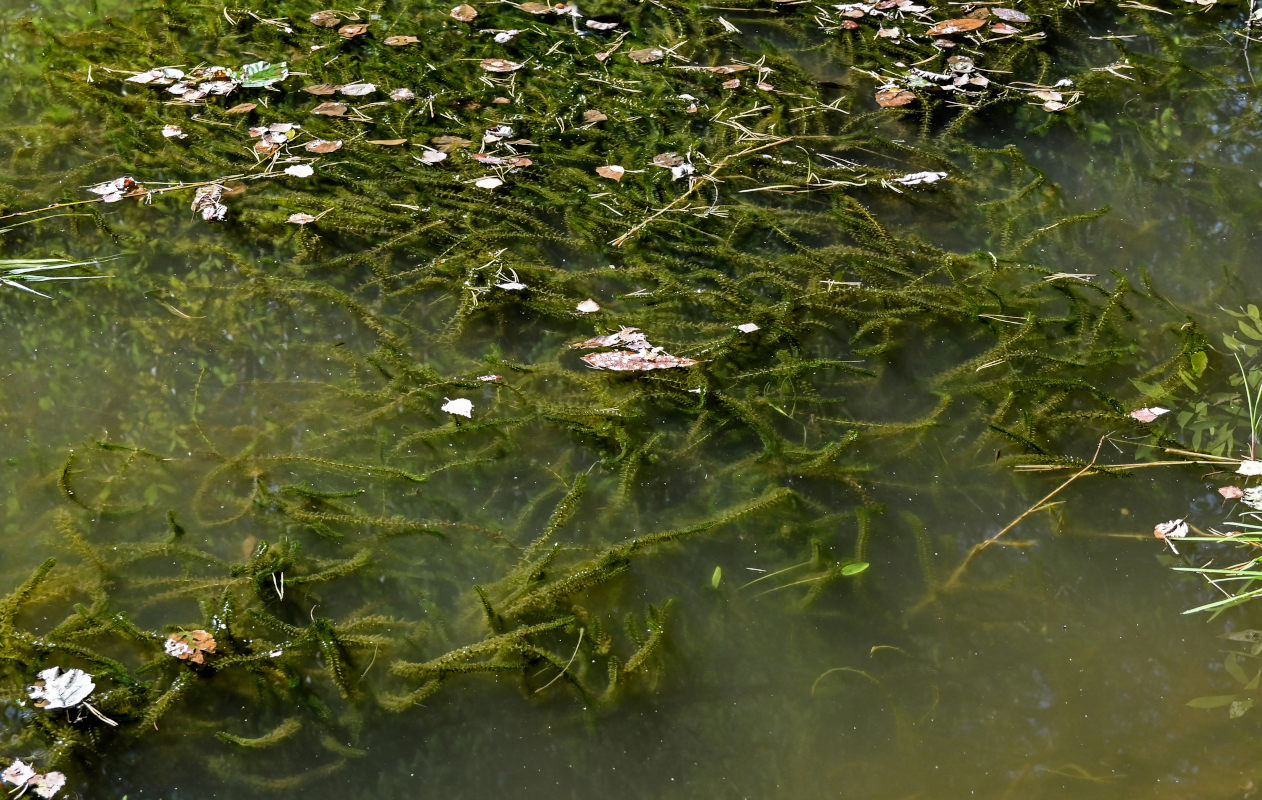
(695, 185)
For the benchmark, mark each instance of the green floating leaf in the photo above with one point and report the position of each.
(262, 73)
(854, 568)
(717, 577)
(1212, 701)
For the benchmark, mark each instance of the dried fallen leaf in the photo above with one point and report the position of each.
(460, 405)
(747, 327)
(915, 178)
(206, 201)
(536, 8)
(190, 645)
(500, 65)
(47, 785)
(1249, 468)
(431, 156)
(668, 159)
(588, 306)
(1231, 492)
(613, 172)
(300, 218)
(1010, 15)
(402, 95)
(734, 83)
(399, 41)
(955, 26)
(1174, 529)
(647, 55)
(504, 37)
(300, 170)
(592, 116)
(489, 378)
(449, 143)
(113, 191)
(57, 689)
(18, 773)
(242, 108)
(1148, 414)
(351, 31)
(357, 89)
(320, 88)
(464, 13)
(636, 360)
(596, 25)
(325, 19)
(1004, 29)
(626, 337)
(488, 183)
(889, 33)
(330, 109)
(386, 142)
(892, 97)
(323, 146)
(173, 132)
(158, 76)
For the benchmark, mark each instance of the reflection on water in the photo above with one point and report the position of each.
(223, 444)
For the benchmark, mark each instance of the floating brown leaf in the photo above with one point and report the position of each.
(399, 41)
(357, 89)
(206, 202)
(613, 172)
(387, 142)
(647, 55)
(351, 31)
(464, 13)
(668, 159)
(892, 96)
(449, 143)
(626, 337)
(190, 645)
(734, 83)
(325, 19)
(1231, 492)
(500, 65)
(636, 360)
(320, 88)
(323, 146)
(330, 109)
(536, 8)
(1004, 29)
(955, 26)
(592, 116)
(242, 108)
(1010, 15)
(728, 69)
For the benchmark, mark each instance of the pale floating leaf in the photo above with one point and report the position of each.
(173, 132)
(158, 76)
(915, 178)
(464, 13)
(888, 33)
(323, 146)
(1174, 529)
(893, 96)
(460, 406)
(1004, 29)
(680, 170)
(351, 31)
(46, 786)
(300, 170)
(636, 360)
(511, 286)
(1148, 414)
(601, 26)
(300, 218)
(488, 183)
(386, 142)
(1010, 15)
(647, 55)
(592, 116)
(504, 37)
(402, 94)
(399, 41)
(727, 69)
(320, 89)
(588, 306)
(330, 109)
(733, 83)
(450, 143)
(500, 65)
(1249, 467)
(18, 773)
(357, 89)
(57, 689)
(612, 171)
(747, 327)
(325, 19)
(1231, 492)
(190, 645)
(668, 159)
(242, 108)
(955, 26)
(1252, 497)
(536, 8)
(115, 190)
(432, 156)
(489, 378)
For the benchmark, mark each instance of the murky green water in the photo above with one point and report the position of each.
(241, 430)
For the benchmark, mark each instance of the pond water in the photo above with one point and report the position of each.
(749, 577)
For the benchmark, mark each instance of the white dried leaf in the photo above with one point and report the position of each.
(504, 37)
(681, 170)
(601, 26)
(920, 177)
(357, 89)
(488, 183)
(460, 406)
(173, 132)
(47, 785)
(57, 689)
(18, 773)
(432, 156)
(512, 286)
(1148, 414)
(588, 306)
(1174, 529)
(402, 94)
(747, 327)
(300, 171)
(300, 218)
(1250, 467)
